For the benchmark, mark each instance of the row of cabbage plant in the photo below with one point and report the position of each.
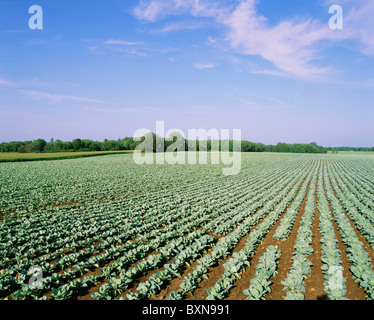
(265, 270)
(334, 284)
(360, 214)
(294, 283)
(238, 262)
(288, 220)
(361, 268)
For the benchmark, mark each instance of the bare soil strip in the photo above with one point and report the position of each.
(314, 289)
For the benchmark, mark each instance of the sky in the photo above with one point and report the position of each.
(105, 69)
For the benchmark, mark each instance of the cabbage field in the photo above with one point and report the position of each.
(287, 227)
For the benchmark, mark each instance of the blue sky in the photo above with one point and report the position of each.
(104, 69)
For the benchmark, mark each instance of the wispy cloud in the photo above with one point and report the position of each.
(130, 51)
(34, 42)
(293, 46)
(153, 10)
(252, 104)
(128, 48)
(198, 109)
(277, 101)
(178, 26)
(122, 43)
(358, 24)
(57, 98)
(290, 45)
(261, 102)
(47, 83)
(82, 102)
(130, 109)
(7, 83)
(202, 66)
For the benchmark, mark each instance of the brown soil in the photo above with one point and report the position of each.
(314, 289)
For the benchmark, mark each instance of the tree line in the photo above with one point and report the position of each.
(42, 146)
(349, 149)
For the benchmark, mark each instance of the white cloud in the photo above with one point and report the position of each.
(293, 46)
(131, 109)
(50, 83)
(202, 66)
(278, 101)
(358, 24)
(154, 10)
(57, 98)
(7, 83)
(121, 42)
(132, 48)
(261, 102)
(150, 11)
(178, 26)
(290, 45)
(250, 103)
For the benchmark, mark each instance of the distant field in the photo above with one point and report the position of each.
(354, 152)
(15, 156)
(116, 176)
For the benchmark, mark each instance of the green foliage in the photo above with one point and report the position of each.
(265, 270)
(175, 139)
(181, 217)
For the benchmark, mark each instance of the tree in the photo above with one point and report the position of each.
(175, 141)
(127, 143)
(67, 145)
(28, 148)
(58, 145)
(77, 144)
(260, 147)
(87, 145)
(248, 146)
(50, 146)
(38, 145)
(282, 147)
